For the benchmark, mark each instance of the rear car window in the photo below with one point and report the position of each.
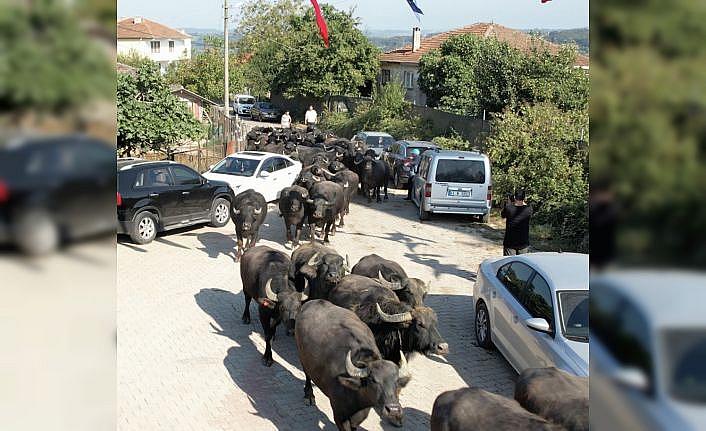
(379, 141)
(154, 177)
(460, 171)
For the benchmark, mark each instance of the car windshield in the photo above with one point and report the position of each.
(574, 314)
(685, 352)
(460, 171)
(236, 166)
(265, 105)
(379, 141)
(246, 100)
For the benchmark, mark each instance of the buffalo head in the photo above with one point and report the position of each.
(281, 295)
(246, 216)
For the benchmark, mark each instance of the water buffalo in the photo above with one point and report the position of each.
(291, 207)
(248, 212)
(307, 179)
(396, 325)
(345, 177)
(326, 201)
(555, 395)
(373, 175)
(318, 266)
(337, 351)
(473, 409)
(391, 275)
(265, 275)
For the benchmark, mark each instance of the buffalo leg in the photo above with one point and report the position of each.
(246, 312)
(327, 227)
(358, 418)
(288, 232)
(297, 234)
(341, 224)
(269, 330)
(377, 193)
(239, 253)
(385, 186)
(308, 392)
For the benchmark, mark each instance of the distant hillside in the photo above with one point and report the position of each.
(390, 43)
(579, 36)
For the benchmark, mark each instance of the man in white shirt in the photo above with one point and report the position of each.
(286, 121)
(310, 118)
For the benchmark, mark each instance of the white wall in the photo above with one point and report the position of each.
(182, 49)
(414, 94)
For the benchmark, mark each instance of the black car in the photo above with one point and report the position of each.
(54, 189)
(159, 196)
(262, 111)
(401, 159)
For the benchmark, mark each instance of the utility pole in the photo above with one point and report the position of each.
(225, 56)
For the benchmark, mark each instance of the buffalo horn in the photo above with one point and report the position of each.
(393, 318)
(258, 210)
(316, 178)
(394, 285)
(354, 371)
(314, 260)
(427, 287)
(268, 291)
(310, 201)
(236, 211)
(404, 368)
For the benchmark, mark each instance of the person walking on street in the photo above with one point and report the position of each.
(310, 118)
(412, 172)
(286, 121)
(517, 216)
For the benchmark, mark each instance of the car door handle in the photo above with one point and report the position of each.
(153, 195)
(495, 293)
(185, 193)
(515, 319)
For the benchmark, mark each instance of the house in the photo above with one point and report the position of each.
(198, 105)
(153, 40)
(403, 64)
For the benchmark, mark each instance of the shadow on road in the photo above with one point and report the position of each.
(275, 393)
(433, 262)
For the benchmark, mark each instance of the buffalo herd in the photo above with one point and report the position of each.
(356, 327)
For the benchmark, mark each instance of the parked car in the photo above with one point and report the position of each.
(54, 189)
(242, 104)
(262, 111)
(158, 196)
(534, 309)
(377, 141)
(399, 157)
(453, 182)
(648, 344)
(267, 173)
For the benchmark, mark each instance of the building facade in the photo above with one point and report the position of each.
(146, 38)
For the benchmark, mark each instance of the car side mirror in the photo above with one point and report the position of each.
(630, 377)
(264, 174)
(538, 324)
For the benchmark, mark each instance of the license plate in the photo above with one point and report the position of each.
(459, 193)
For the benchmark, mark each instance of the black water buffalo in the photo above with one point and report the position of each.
(326, 201)
(337, 351)
(346, 178)
(396, 325)
(373, 175)
(292, 209)
(307, 179)
(318, 266)
(265, 275)
(555, 395)
(473, 409)
(306, 154)
(248, 212)
(391, 275)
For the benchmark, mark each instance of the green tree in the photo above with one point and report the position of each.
(204, 73)
(149, 116)
(544, 150)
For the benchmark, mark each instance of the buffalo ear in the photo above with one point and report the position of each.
(353, 383)
(308, 271)
(402, 381)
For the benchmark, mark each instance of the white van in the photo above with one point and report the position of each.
(453, 182)
(242, 104)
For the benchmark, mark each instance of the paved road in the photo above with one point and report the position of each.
(186, 362)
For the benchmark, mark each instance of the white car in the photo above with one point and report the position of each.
(534, 309)
(266, 173)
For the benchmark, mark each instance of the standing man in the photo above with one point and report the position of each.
(310, 119)
(414, 153)
(286, 121)
(517, 216)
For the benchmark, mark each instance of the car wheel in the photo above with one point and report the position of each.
(423, 215)
(483, 326)
(36, 233)
(485, 217)
(144, 230)
(220, 212)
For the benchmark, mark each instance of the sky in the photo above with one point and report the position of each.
(385, 14)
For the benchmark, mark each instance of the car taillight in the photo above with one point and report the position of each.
(4, 192)
(489, 197)
(427, 190)
(119, 199)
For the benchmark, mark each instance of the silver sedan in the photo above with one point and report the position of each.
(534, 309)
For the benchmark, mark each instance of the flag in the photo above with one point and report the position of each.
(546, 1)
(415, 9)
(321, 22)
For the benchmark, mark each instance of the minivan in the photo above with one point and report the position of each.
(242, 104)
(453, 182)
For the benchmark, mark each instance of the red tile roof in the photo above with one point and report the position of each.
(144, 28)
(514, 38)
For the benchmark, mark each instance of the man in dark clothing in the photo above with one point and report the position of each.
(517, 214)
(414, 153)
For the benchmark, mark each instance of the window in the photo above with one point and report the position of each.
(280, 164)
(154, 177)
(268, 166)
(460, 171)
(408, 79)
(685, 350)
(379, 141)
(631, 346)
(154, 46)
(423, 168)
(537, 300)
(246, 100)
(386, 76)
(171, 46)
(185, 176)
(515, 277)
(573, 305)
(236, 166)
